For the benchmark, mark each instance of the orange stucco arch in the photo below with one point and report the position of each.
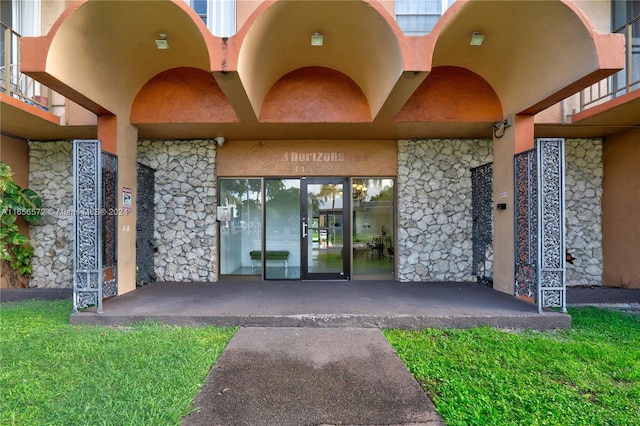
(182, 95)
(360, 41)
(100, 54)
(315, 95)
(452, 94)
(550, 43)
(105, 50)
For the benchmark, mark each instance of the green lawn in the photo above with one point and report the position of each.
(52, 373)
(589, 375)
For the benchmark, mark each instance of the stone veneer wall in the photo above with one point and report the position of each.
(434, 207)
(51, 176)
(185, 208)
(583, 194)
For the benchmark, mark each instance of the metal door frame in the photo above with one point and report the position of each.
(346, 229)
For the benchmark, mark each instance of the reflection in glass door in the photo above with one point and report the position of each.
(325, 222)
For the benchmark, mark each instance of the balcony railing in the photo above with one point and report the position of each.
(625, 80)
(12, 81)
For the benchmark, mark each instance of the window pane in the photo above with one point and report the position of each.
(373, 225)
(418, 7)
(282, 229)
(417, 25)
(418, 17)
(223, 18)
(242, 234)
(200, 6)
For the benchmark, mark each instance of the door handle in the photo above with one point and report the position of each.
(304, 229)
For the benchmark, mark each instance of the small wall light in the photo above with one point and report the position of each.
(476, 39)
(316, 39)
(161, 42)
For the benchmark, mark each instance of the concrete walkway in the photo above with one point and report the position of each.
(311, 376)
(362, 304)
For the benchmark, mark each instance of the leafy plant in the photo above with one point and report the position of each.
(16, 201)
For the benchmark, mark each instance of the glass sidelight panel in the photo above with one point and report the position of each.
(241, 235)
(373, 225)
(282, 229)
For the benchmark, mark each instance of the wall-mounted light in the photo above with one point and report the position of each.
(476, 39)
(161, 42)
(317, 39)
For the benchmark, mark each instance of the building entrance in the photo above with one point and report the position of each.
(306, 221)
(313, 228)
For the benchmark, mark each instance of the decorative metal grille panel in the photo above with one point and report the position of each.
(482, 212)
(540, 228)
(526, 224)
(551, 230)
(87, 204)
(109, 224)
(145, 208)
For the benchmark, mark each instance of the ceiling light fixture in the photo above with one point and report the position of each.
(476, 39)
(317, 39)
(162, 43)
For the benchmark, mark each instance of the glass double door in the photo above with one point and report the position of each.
(307, 229)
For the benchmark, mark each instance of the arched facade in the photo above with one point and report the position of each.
(264, 111)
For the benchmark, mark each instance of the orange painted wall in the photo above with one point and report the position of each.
(182, 95)
(451, 94)
(15, 153)
(315, 95)
(524, 127)
(621, 210)
(108, 133)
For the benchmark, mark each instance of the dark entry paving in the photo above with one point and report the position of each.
(8, 295)
(605, 297)
(360, 304)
